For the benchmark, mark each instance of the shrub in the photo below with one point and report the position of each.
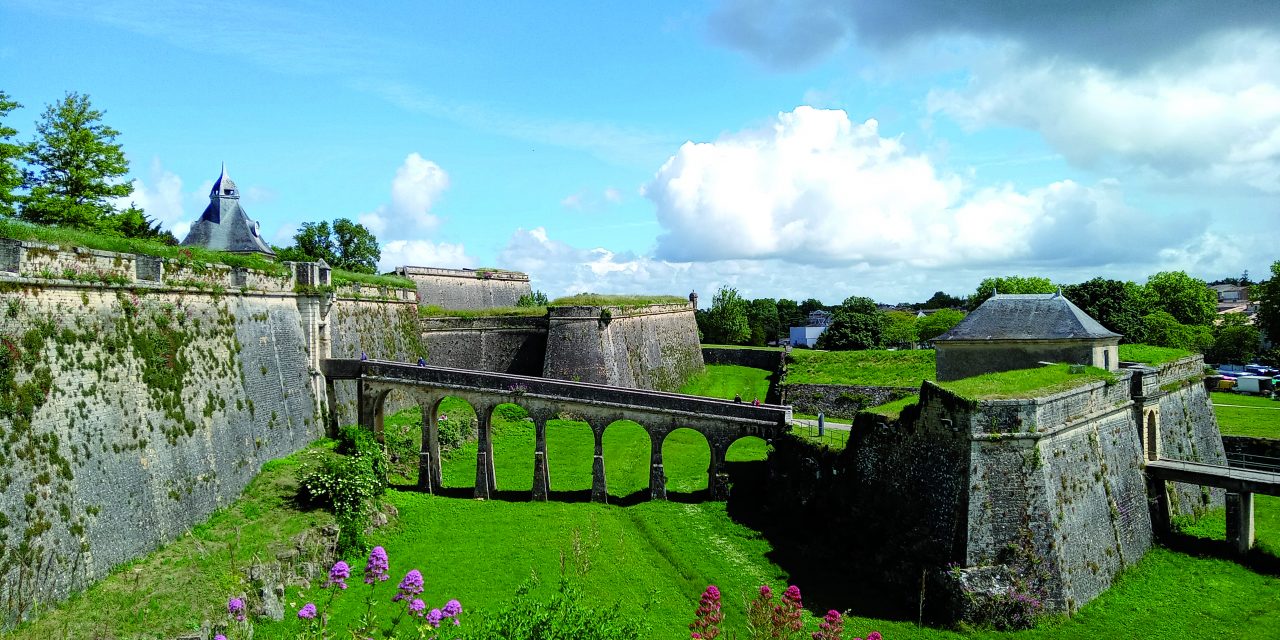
(347, 483)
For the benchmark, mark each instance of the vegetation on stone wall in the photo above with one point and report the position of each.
(871, 367)
(625, 301)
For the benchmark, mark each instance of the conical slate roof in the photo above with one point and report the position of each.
(224, 226)
(1035, 316)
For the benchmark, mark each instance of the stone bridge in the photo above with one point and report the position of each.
(721, 422)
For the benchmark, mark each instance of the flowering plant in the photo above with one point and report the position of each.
(315, 620)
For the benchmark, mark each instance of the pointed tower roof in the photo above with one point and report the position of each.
(224, 186)
(224, 226)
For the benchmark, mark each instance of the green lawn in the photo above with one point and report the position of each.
(875, 367)
(725, 380)
(1252, 416)
(651, 559)
(1149, 354)
(625, 301)
(1026, 383)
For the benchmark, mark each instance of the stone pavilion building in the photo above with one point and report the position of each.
(224, 226)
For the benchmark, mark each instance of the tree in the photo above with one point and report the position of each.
(789, 315)
(899, 329)
(1009, 284)
(346, 245)
(79, 167)
(938, 323)
(1164, 330)
(533, 299)
(10, 154)
(726, 321)
(941, 300)
(1267, 293)
(1189, 300)
(762, 317)
(1116, 304)
(1234, 340)
(809, 306)
(855, 324)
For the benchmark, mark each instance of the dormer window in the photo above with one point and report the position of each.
(228, 192)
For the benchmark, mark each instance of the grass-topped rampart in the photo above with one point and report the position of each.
(433, 311)
(874, 367)
(1152, 355)
(1027, 383)
(624, 301)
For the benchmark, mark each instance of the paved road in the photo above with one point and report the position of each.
(839, 426)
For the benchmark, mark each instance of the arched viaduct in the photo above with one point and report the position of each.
(720, 422)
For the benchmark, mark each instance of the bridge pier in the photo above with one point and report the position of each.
(429, 473)
(657, 475)
(1240, 522)
(541, 475)
(1158, 501)
(717, 479)
(599, 489)
(486, 476)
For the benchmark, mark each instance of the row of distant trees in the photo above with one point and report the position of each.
(73, 174)
(1171, 309)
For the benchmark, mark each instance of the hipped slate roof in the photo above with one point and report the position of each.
(1035, 316)
(224, 226)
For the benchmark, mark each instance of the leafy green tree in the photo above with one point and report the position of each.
(344, 245)
(533, 299)
(809, 306)
(1009, 284)
(899, 329)
(1164, 330)
(726, 320)
(1267, 293)
(855, 324)
(938, 323)
(1234, 340)
(133, 223)
(1116, 304)
(1189, 300)
(79, 167)
(789, 315)
(762, 317)
(11, 153)
(940, 300)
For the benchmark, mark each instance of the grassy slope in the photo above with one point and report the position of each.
(879, 368)
(1025, 383)
(1256, 417)
(725, 380)
(1150, 354)
(655, 555)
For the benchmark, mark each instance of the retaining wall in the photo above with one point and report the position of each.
(839, 400)
(467, 289)
(510, 344)
(652, 347)
(138, 395)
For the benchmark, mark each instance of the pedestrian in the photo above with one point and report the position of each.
(737, 398)
(363, 356)
(755, 401)
(422, 362)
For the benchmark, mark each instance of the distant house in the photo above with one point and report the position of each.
(1231, 292)
(224, 226)
(1019, 331)
(807, 336)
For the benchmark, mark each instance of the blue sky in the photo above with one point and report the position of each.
(790, 149)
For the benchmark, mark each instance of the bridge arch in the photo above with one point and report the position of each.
(687, 460)
(627, 455)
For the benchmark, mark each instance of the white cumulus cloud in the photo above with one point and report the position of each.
(815, 188)
(424, 253)
(417, 186)
(161, 197)
(1212, 115)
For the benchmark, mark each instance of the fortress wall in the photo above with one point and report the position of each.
(467, 289)
(382, 330)
(652, 347)
(839, 400)
(131, 413)
(514, 344)
(1188, 431)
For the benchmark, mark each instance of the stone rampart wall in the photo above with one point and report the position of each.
(510, 344)
(467, 289)
(131, 414)
(839, 400)
(653, 347)
(381, 330)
